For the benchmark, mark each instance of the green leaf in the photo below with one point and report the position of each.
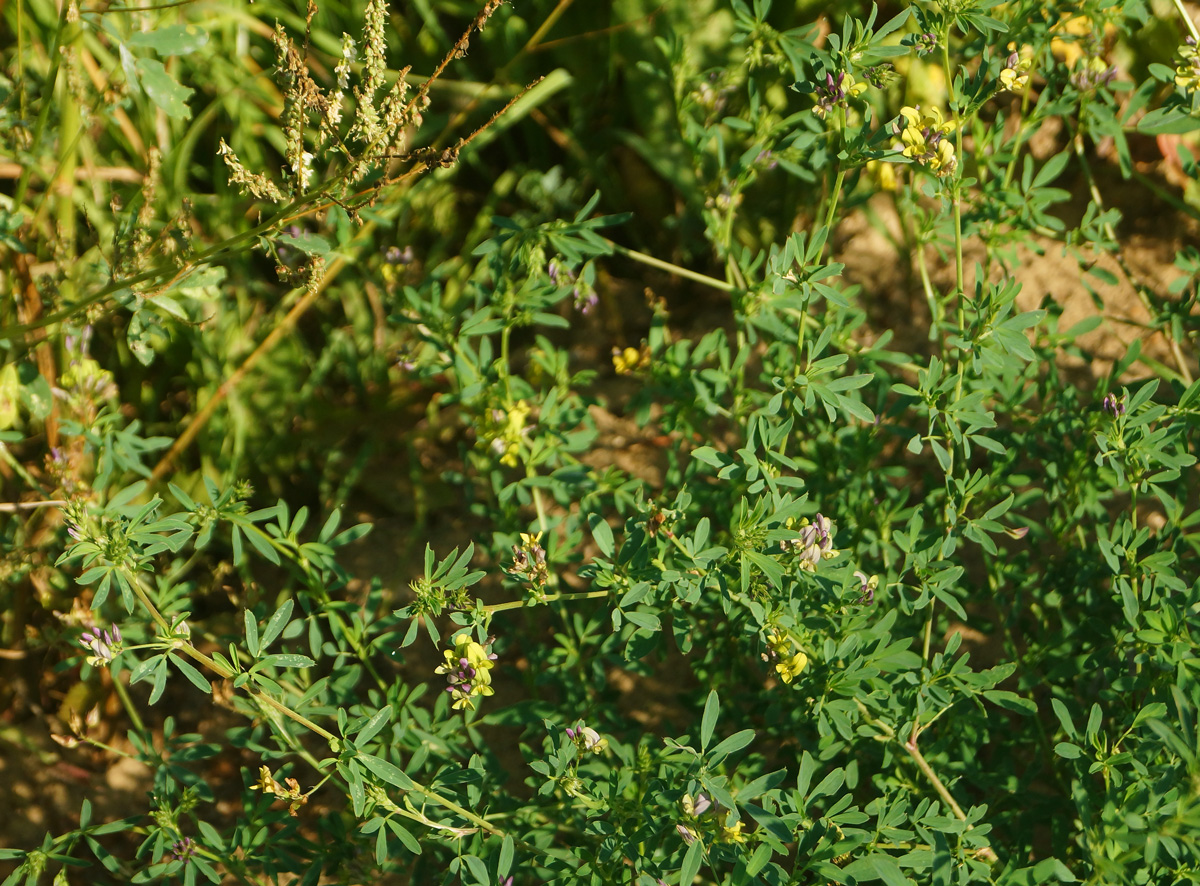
(372, 727)
(259, 542)
(287, 660)
(712, 710)
(691, 863)
(1067, 750)
(251, 633)
(163, 89)
(1168, 121)
(277, 623)
(504, 865)
(876, 866)
(310, 244)
(409, 841)
(391, 774)
(768, 566)
(191, 673)
(645, 620)
(1011, 701)
(160, 681)
(732, 745)
(602, 533)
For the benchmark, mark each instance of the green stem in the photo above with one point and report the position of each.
(653, 262)
(127, 702)
(1191, 25)
(549, 598)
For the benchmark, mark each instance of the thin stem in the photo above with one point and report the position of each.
(127, 702)
(653, 262)
(549, 598)
(914, 752)
(153, 7)
(11, 507)
(986, 853)
(1191, 25)
(928, 630)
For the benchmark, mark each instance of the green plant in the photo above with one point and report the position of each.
(920, 591)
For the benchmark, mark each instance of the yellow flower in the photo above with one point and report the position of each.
(733, 834)
(924, 141)
(883, 173)
(790, 669)
(628, 360)
(504, 429)
(266, 783)
(1015, 75)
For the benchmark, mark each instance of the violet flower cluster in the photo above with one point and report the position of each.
(103, 645)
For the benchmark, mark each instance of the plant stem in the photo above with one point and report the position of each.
(1187, 19)
(653, 262)
(549, 598)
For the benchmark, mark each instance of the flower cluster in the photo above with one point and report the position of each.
(1187, 73)
(289, 790)
(867, 586)
(791, 661)
(814, 544)
(1114, 406)
(881, 75)
(628, 360)
(1091, 73)
(183, 850)
(694, 807)
(104, 646)
(923, 137)
(925, 43)
(504, 430)
(582, 292)
(468, 671)
(835, 90)
(1014, 77)
(587, 739)
(529, 560)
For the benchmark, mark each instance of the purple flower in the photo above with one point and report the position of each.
(1092, 73)
(926, 43)
(585, 299)
(104, 646)
(587, 738)
(1114, 406)
(397, 256)
(183, 850)
(867, 585)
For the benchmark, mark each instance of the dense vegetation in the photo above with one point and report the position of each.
(776, 432)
